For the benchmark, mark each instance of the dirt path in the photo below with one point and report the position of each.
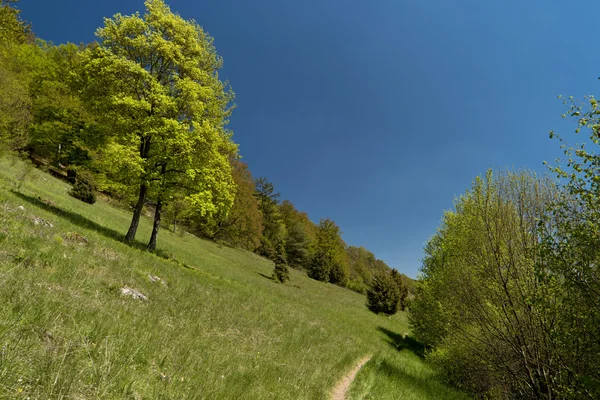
(341, 389)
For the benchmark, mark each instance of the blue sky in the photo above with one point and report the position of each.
(378, 113)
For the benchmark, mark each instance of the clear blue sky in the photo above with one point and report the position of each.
(378, 113)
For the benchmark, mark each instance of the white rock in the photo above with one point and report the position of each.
(43, 222)
(127, 291)
(154, 278)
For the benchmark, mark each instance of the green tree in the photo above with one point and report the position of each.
(13, 29)
(274, 228)
(481, 305)
(155, 81)
(281, 272)
(571, 252)
(301, 234)
(363, 265)
(402, 288)
(243, 226)
(383, 295)
(15, 102)
(330, 261)
(63, 130)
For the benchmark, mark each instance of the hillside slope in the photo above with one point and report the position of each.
(215, 326)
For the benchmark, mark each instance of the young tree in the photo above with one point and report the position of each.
(155, 79)
(301, 234)
(281, 272)
(571, 252)
(402, 288)
(481, 305)
(383, 295)
(330, 261)
(274, 228)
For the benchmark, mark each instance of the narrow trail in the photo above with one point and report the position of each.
(341, 389)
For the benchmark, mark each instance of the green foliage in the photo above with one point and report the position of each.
(281, 272)
(571, 253)
(154, 80)
(330, 261)
(480, 304)
(243, 226)
(15, 102)
(383, 295)
(266, 249)
(402, 288)
(274, 230)
(13, 30)
(62, 131)
(363, 265)
(301, 235)
(84, 187)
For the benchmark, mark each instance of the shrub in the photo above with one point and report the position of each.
(281, 272)
(84, 187)
(382, 295)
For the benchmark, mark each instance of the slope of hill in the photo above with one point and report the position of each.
(213, 325)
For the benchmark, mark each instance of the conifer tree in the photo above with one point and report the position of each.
(281, 272)
(383, 295)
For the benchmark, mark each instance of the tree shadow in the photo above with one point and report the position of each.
(266, 276)
(402, 342)
(427, 387)
(79, 220)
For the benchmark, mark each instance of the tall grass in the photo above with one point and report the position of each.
(218, 328)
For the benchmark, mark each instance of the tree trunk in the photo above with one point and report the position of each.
(137, 213)
(152, 243)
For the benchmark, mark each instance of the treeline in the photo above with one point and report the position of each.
(141, 115)
(509, 300)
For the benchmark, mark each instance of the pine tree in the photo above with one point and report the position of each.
(402, 289)
(383, 295)
(281, 272)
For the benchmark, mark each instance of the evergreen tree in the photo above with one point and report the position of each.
(383, 295)
(330, 260)
(274, 229)
(402, 288)
(281, 272)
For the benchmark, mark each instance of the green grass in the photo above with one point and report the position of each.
(218, 329)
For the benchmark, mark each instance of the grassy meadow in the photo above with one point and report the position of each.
(214, 327)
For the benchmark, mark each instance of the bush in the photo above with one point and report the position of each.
(383, 295)
(84, 187)
(281, 272)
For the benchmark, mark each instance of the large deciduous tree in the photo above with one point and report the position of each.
(155, 79)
